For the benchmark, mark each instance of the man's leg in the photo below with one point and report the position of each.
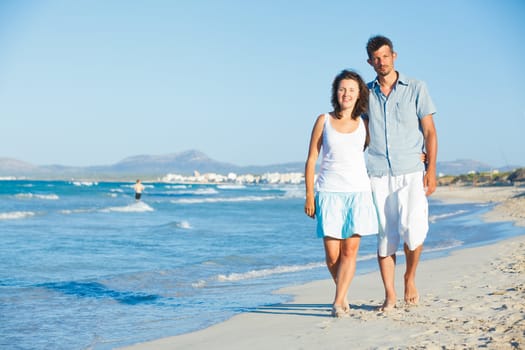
(412, 260)
(388, 238)
(415, 222)
(387, 266)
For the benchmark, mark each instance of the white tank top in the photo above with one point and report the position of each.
(343, 167)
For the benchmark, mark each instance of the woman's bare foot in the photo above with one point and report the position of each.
(346, 306)
(339, 311)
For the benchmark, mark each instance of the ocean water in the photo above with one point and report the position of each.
(85, 266)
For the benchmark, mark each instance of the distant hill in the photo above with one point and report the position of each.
(185, 163)
(182, 163)
(464, 166)
(8, 165)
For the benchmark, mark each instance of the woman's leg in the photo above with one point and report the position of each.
(346, 270)
(332, 249)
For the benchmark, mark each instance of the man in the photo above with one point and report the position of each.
(138, 187)
(401, 125)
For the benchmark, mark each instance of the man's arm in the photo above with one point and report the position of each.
(430, 134)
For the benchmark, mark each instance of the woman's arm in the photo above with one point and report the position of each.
(316, 140)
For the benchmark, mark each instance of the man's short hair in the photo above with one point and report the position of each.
(375, 43)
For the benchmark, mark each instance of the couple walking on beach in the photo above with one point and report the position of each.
(384, 195)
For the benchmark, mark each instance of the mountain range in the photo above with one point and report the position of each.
(186, 163)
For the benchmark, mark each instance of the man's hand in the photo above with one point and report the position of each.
(430, 183)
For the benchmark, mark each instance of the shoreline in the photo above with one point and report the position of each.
(510, 200)
(479, 304)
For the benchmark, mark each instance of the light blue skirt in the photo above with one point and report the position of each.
(343, 214)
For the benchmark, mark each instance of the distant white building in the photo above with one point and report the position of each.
(269, 178)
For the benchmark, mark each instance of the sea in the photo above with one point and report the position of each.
(85, 266)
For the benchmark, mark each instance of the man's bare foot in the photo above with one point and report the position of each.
(387, 306)
(411, 293)
(413, 301)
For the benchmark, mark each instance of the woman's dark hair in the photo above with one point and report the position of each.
(361, 104)
(375, 43)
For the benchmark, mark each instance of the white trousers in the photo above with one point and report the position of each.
(402, 208)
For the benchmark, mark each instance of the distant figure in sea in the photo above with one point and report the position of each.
(400, 118)
(342, 199)
(138, 187)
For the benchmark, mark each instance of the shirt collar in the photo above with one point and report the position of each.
(401, 79)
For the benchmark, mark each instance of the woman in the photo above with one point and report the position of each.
(342, 201)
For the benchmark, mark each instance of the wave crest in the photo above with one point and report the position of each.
(434, 218)
(84, 183)
(132, 208)
(51, 196)
(233, 277)
(223, 199)
(16, 215)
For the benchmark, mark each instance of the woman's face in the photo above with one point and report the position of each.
(347, 93)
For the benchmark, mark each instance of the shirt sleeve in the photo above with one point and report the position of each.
(424, 105)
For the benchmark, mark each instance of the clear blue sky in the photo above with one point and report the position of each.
(93, 82)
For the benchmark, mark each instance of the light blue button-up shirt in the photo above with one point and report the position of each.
(396, 138)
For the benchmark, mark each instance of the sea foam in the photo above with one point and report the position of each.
(16, 215)
(231, 187)
(84, 183)
(267, 272)
(132, 208)
(37, 196)
(223, 199)
(434, 218)
(232, 277)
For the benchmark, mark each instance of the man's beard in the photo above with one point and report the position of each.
(384, 71)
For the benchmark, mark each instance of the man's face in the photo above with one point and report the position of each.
(382, 60)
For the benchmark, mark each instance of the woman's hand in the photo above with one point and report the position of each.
(309, 207)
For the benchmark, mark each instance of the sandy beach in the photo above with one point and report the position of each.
(473, 298)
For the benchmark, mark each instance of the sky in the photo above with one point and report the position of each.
(93, 82)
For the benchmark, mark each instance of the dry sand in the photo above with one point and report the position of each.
(474, 298)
